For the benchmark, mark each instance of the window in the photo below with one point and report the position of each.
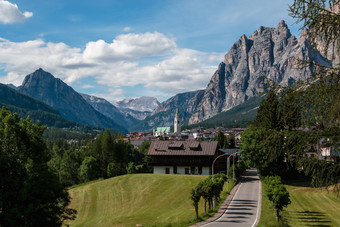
(175, 169)
(192, 170)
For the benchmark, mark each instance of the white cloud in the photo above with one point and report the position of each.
(129, 46)
(85, 86)
(126, 29)
(114, 65)
(10, 13)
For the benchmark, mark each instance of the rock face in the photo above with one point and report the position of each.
(54, 92)
(142, 104)
(186, 102)
(268, 52)
(109, 110)
(165, 113)
(333, 51)
(138, 108)
(139, 115)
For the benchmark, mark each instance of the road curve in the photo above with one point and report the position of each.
(244, 209)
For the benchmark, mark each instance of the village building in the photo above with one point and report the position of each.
(161, 131)
(185, 157)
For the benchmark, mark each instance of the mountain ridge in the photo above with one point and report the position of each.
(54, 92)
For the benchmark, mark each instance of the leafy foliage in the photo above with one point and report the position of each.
(89, 169)
(30, 194)
(277, 194)
(209, 189)
(320, 18)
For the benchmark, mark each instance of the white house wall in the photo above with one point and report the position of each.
(180, 169)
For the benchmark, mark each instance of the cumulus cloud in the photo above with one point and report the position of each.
(124, 62)
(129, 46)
(10, 13)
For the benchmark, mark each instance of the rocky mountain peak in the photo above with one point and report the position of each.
(37, 77)
(282, 24)
(44, 87)
(268, 52)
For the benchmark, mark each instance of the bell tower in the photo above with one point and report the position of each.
(177, 122)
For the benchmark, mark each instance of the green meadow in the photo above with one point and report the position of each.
(130, 200)
(309, 207)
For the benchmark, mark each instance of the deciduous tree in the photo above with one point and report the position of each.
(30, 194)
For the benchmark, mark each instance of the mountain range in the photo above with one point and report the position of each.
(138, 108)
(268, 54)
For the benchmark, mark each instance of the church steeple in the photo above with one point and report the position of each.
(177, 122)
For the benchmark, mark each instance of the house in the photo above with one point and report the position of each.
(185, 157)
(161, 131)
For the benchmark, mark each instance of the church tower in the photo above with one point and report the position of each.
(177, 124)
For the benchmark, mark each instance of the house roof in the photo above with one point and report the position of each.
(162, 129)
(183, 148)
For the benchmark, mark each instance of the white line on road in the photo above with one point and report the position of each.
(258, 204)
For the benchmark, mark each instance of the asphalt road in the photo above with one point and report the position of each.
(244, 210)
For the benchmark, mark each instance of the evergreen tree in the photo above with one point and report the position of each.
(220, 138)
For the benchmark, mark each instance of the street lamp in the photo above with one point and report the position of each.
(212, 166)
(212, 172)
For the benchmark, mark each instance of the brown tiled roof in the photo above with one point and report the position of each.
(205, 148)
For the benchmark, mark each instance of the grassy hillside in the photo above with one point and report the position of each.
(309, 207)
(150, 199)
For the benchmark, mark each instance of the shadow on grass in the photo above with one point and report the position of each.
(300, 182)
(310, 218)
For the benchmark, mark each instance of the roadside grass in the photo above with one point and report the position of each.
(309, 207)
(146, 199)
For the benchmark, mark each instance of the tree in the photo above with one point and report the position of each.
(130, 168)
(268, 115)
(230, 141)
(195, 197)
(220, 138)
(89, 169)
(111, 170)
(277, 194)
(107, 151)
(30, 194)
(321, 19)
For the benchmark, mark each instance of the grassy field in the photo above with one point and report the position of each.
(148, 199)
(309, 207)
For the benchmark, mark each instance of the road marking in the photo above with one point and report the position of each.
(225, 212)
(258, 205)
(227, 207)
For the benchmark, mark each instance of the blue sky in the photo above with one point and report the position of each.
(125, 49)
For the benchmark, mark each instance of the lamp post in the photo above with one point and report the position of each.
(212, 173)
(212, 166)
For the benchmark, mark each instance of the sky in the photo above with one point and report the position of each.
(118, 49)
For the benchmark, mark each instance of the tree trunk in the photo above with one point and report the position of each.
(277, 213)
(196, 210)
(205, 205)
